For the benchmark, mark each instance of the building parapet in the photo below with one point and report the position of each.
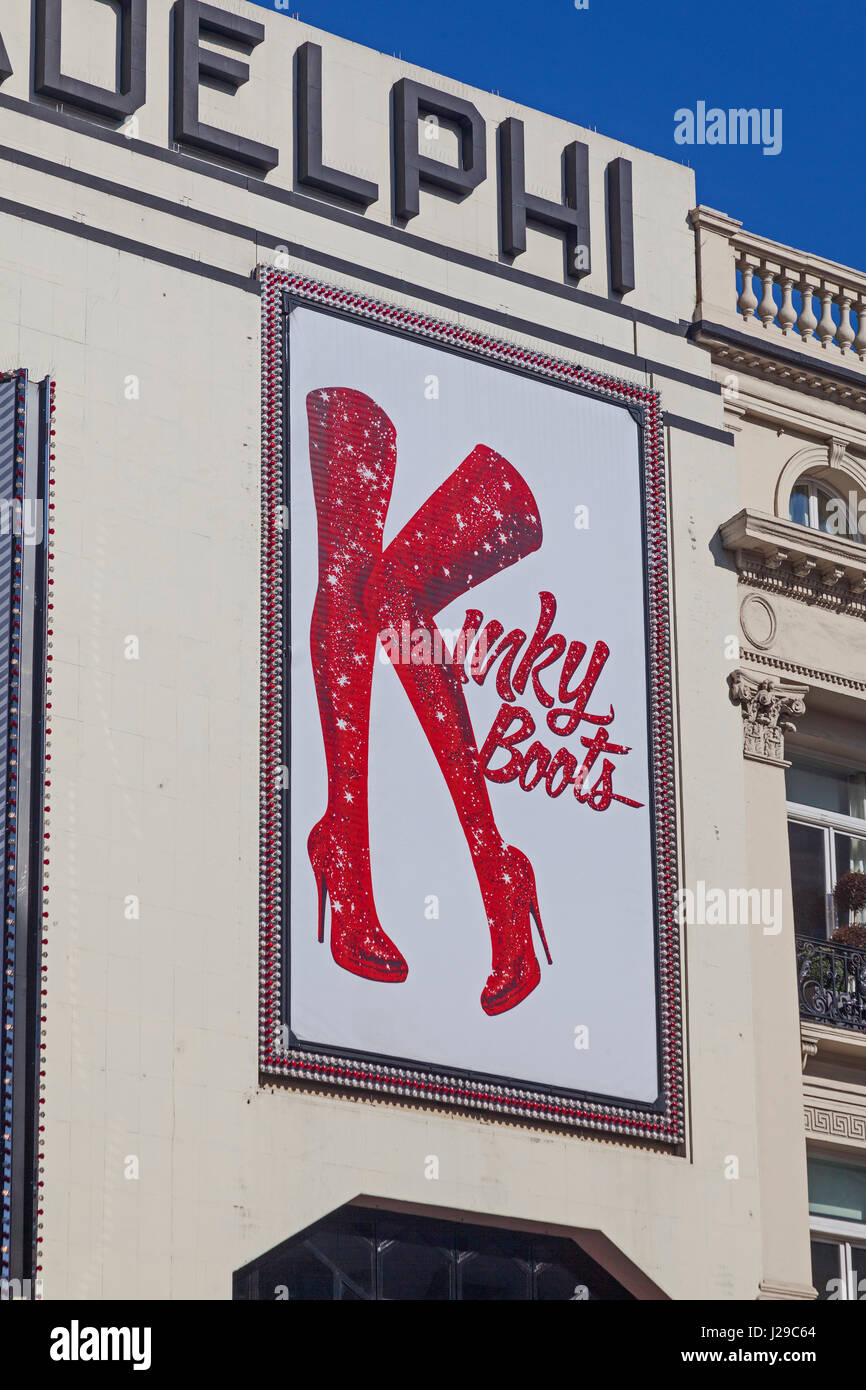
(793, 283)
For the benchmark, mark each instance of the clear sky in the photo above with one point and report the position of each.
(626, 66)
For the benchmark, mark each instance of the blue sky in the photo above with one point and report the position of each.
(625, 67)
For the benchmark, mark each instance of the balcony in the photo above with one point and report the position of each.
(804, 327)
(831, 984)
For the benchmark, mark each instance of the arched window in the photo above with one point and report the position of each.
(817, 504)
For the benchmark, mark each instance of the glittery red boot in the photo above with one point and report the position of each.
(352, 456)
(482, 519)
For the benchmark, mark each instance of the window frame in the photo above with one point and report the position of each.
(829, 822)
(815, 487)
(846, 1236)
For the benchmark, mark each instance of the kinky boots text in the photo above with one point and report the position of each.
(514, 725)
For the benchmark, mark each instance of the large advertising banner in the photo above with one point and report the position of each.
(471, 885)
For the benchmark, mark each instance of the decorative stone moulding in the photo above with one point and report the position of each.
(835, 1111)
(805, 378)
(810, 673)
(831, 461)
(767, 706)
(797, 561)
(758, 621)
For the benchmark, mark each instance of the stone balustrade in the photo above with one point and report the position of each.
(787, 293)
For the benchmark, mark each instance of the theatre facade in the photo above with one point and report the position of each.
(432, 598)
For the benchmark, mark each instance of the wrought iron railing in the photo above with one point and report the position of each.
(831, 982)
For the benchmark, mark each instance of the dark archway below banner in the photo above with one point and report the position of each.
(361, 1253)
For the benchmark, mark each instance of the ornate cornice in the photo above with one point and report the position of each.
(808, 673)
(780, 557)
(766, 705)
(780, 542)
(799, 371)
(786, 584)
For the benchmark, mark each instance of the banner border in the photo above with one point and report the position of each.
(279, 1055)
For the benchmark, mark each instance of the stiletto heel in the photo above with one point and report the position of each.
(323, 899)
(358, 943)
(516, 971)
(533, 906)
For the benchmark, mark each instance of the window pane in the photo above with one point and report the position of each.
(832, 514)
(837, 1190)
(299, 1272)
(826, 788)
(351, 1251)
(493, 1278)
(858, 1262)
(565, 1273)
(799, 506)
(850, 854)
(555, 1283)
(415, 1270)
(493, 1265)
(416, 1256)
(827, 1269)
(808, 879)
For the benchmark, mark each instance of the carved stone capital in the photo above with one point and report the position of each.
(766, 705)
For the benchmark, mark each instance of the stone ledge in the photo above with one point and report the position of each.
(806, 551)
(781, 1288)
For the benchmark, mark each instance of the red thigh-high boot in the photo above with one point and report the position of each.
(352, 456)
(481, 520)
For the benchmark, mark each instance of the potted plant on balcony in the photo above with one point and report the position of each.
(850, 896)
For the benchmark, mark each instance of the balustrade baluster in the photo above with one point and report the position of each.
(747, 302)
(859, 343)
(767, 306)
(844, 333)
(807, 322)
(787, 312)
(826, 329)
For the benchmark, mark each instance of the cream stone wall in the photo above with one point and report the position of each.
(151, 1023)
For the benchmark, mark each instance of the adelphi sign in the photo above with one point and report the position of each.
(194, 25)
